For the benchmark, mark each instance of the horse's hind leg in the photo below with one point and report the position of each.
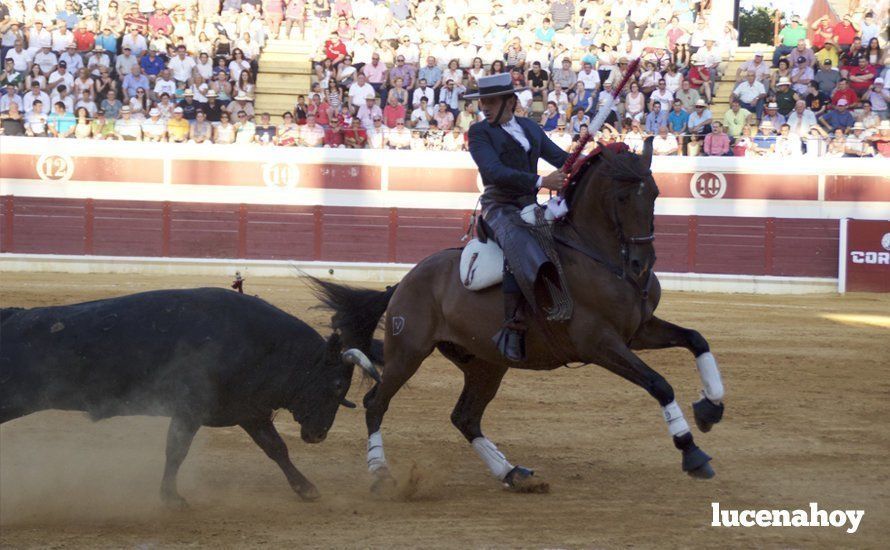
(657, 334)
(481, 383)
(614, 355)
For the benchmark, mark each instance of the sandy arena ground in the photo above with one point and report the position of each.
(807, 420)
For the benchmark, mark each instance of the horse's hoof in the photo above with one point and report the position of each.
(695, 463)
(707, 413)
(309, 493)
(523, 480)
(384, 484)
(174, 502)
(704, 471)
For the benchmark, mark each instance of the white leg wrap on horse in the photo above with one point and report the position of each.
(710, 376)
(376, 458)
(673, 415)
(493, 458)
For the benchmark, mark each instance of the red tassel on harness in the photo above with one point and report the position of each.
(573, 166)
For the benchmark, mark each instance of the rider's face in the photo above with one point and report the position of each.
(492, 105)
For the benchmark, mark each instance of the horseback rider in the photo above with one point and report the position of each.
(506, 149)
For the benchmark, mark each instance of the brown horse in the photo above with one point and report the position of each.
(607, 254)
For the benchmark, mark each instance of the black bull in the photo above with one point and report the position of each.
(204, 357)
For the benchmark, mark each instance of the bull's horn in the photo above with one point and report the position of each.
(356, 357)
(347, 403)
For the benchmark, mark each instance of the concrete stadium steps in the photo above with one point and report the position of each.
(285, 71)
(726, 84)
(275, 104)
(279, 83)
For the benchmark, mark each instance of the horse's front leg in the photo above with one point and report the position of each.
(658, 334)
(613, 354)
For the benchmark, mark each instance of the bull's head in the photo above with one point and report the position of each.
(316, 406)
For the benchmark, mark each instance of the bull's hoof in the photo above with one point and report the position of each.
(384, 485)
(707, 413)
(695, 463)
(174, 502)
(309, 493)
(523, 480)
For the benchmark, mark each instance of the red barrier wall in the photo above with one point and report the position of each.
(701, 244)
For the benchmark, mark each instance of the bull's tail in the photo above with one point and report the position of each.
(357, 312)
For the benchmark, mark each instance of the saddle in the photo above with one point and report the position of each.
(482, 260)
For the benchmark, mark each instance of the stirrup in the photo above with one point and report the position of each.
(511, 343)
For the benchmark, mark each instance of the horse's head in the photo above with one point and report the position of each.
(615, 201)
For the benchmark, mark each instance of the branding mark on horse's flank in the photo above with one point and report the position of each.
(398, 325)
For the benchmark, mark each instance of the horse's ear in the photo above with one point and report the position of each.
(647, 151)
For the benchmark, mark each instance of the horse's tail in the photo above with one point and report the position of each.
(357, 312)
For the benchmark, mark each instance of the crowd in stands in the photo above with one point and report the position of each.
(392, 73)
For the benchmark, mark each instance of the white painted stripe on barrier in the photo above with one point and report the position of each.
(369, 272)
(422, 159)
(842, 257)
(435, 200)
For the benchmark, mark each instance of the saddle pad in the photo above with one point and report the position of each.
(481, 264)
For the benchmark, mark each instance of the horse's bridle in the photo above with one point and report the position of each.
(624, 251)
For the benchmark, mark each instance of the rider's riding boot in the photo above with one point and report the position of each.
(511, 338)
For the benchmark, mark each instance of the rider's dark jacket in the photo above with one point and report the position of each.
(509, 175)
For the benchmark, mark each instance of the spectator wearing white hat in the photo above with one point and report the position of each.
(242, 102)
(46, 59)
(758, 66)
(856, 146)
(178, 127)
(785, 96)
(153, 128)
(700, 118)
(878, 97)
(773, 115)
(750, 94)
(98, 61)
(764, 142)
(127, 128)
(369, 111)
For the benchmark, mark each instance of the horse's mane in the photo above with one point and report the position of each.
(622, 167)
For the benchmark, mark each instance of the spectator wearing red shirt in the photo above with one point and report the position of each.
(700, 77)
(134, 18)
(160, 21)
(321, 109)
(717, 142)
(862, 76)
(356, 137)
(822, 31)
(334, 49)
(844, 33)
(843, 91)
(393, 111)
(84, 40)
(333, 136)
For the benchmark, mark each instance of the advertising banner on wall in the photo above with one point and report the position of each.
(864, 259)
